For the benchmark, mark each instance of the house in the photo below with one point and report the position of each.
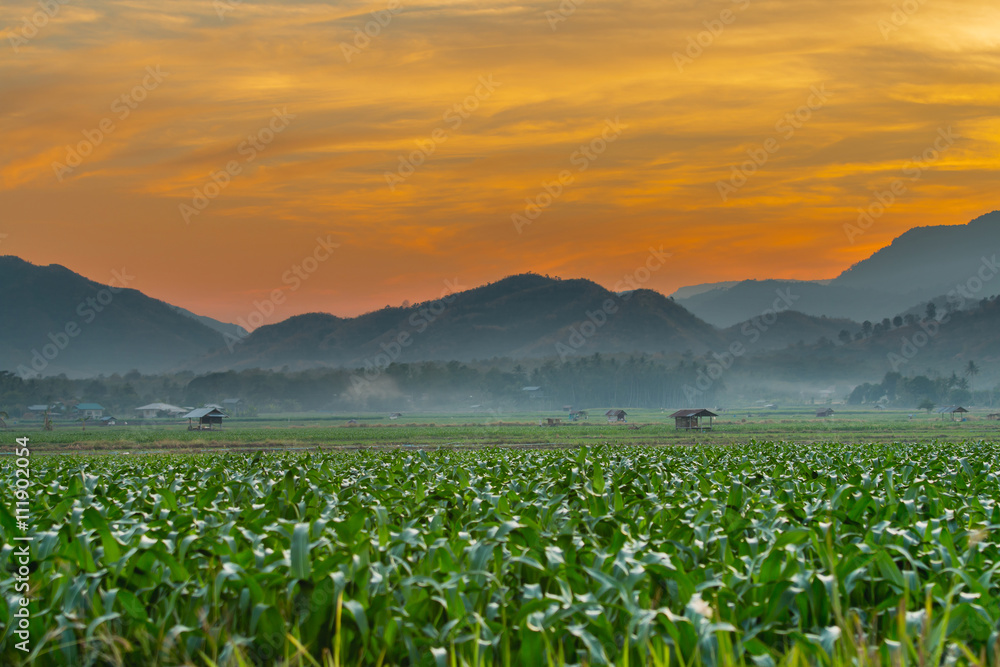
(615, 416)
(553, 421)
(90, 410)
(108, 421)
(208, 418)
(825, 412)
(690, 419)
(954, 410)
(993, 417)
(39, 408)
(232, 403)
(533, 392)
(153, 410)
(395, 415)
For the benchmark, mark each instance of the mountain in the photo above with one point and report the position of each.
(752, 298)
(56, 321)
(692, 290)
(780, 330)
(224, 328)
(920, 265)
(519, 317)
(926, 262)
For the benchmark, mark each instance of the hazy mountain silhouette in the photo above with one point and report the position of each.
(923, 263)
(725, 307)
(519, 317)
(928, 261)
(56, 321)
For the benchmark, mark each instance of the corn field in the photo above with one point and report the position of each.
(757, 554)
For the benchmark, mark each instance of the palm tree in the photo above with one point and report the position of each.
(971, 371)
(83, 422)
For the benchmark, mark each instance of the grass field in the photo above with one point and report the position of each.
(797, 424)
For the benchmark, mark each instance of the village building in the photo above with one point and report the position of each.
(690, 419)
(616, 416)
(153, 410)
(825, 412)
(90, 410)
(953, 411)
(205, 419)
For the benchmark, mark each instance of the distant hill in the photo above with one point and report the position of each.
(224, 328)
(777, 332)
(519, 317)
(42, 307)
(929, 261)
(750, 298)
(920, 265)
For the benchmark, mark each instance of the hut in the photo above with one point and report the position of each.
(994, 416)
(690, 419)
(825, 412)
(615, 416)
(207, 419)
(955, 411)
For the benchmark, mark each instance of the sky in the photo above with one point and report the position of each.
(353, 155)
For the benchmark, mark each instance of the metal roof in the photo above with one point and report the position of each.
(166, 407)
(198, 413)
(694, 412)
(89, 406)
(613, 413)
(950, 409)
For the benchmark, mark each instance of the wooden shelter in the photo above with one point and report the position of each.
(616, 416)
(207, 419)
(690, 419)
(825, 412)
(955, 411)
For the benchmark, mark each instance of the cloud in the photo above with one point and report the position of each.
(354, 120)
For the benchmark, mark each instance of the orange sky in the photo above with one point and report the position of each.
(890, 82)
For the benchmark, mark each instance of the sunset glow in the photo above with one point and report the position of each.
(210, 148)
